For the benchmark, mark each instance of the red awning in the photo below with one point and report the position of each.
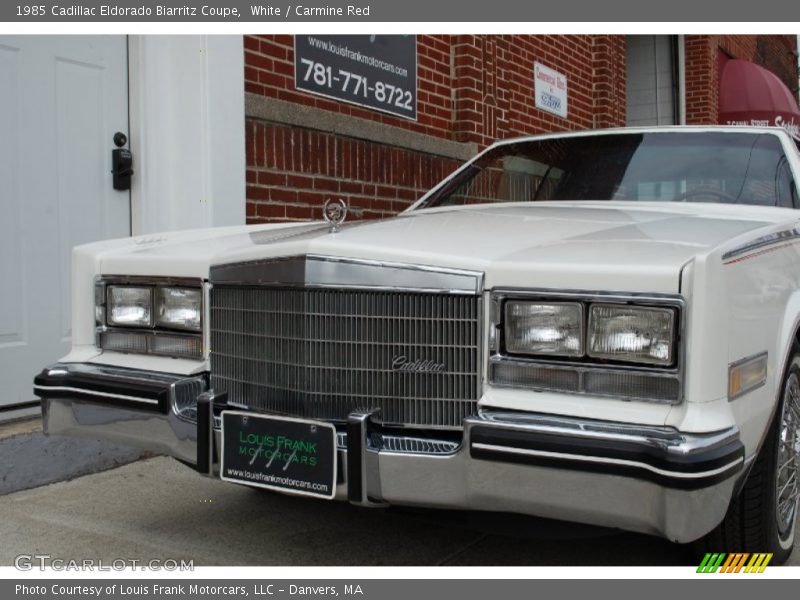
(751, 95)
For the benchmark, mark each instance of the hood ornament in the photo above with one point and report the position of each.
(334, 212)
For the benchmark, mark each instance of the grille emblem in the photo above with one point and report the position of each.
(334, 212)
(402, 363)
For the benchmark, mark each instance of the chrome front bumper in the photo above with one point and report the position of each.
(649, 479)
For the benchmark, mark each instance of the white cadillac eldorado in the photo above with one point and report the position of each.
(599, 327)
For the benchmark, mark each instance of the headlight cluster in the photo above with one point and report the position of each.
(610, 345)
(614, 332)
(150, 318)
(168, 307)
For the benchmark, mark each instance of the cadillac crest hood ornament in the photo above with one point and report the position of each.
(334, 212)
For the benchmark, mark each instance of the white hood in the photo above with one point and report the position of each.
(589, 246)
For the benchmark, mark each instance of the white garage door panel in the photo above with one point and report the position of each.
(81, 147)
(12, 317)
(63, 98)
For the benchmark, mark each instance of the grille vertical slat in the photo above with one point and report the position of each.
(322, 353)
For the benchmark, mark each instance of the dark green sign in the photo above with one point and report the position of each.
(279, 453)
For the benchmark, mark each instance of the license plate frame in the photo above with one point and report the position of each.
(285, 454)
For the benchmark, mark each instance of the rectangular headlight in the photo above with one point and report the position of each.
(179, 308)
(549, 328)
(632, 334)
(130, 306)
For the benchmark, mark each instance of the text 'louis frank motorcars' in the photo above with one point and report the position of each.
(599, 327)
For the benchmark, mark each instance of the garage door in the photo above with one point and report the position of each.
(62, 100)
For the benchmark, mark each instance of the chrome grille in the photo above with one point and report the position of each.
(323, 353)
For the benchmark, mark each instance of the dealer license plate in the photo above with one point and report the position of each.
(279, 453)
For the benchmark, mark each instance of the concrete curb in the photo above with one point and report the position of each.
(32, 459)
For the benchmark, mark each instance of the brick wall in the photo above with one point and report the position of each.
(292, 171)
(702, 79)
(493, 84)
(471, 89)
(774, 52)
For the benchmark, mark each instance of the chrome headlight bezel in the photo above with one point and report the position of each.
(515, 345)
(587, 374)
(631, 356)
(162, 301)
(157, 337)
(111, 304)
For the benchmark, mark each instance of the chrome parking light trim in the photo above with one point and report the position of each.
(744, 361)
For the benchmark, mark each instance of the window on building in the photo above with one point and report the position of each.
(652, 80)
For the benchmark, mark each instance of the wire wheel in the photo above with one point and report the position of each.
(787, 489)
(763, 516)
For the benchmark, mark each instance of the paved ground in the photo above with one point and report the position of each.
(20, 426)
(29, 459)
(158, 508)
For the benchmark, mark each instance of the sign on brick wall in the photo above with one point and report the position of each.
(550, 90)
(376, 71)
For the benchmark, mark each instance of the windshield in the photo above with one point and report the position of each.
(741, 168)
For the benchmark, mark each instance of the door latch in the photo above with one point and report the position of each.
(121, 163)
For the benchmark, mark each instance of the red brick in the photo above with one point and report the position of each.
(257, 193)
(330, 185)
(299, 181)
(282, 196)
(251, 43)
(270, 210)
(299, 212)
(271, 178)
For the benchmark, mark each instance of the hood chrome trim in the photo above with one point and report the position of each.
(772, 239)
(340, 272)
